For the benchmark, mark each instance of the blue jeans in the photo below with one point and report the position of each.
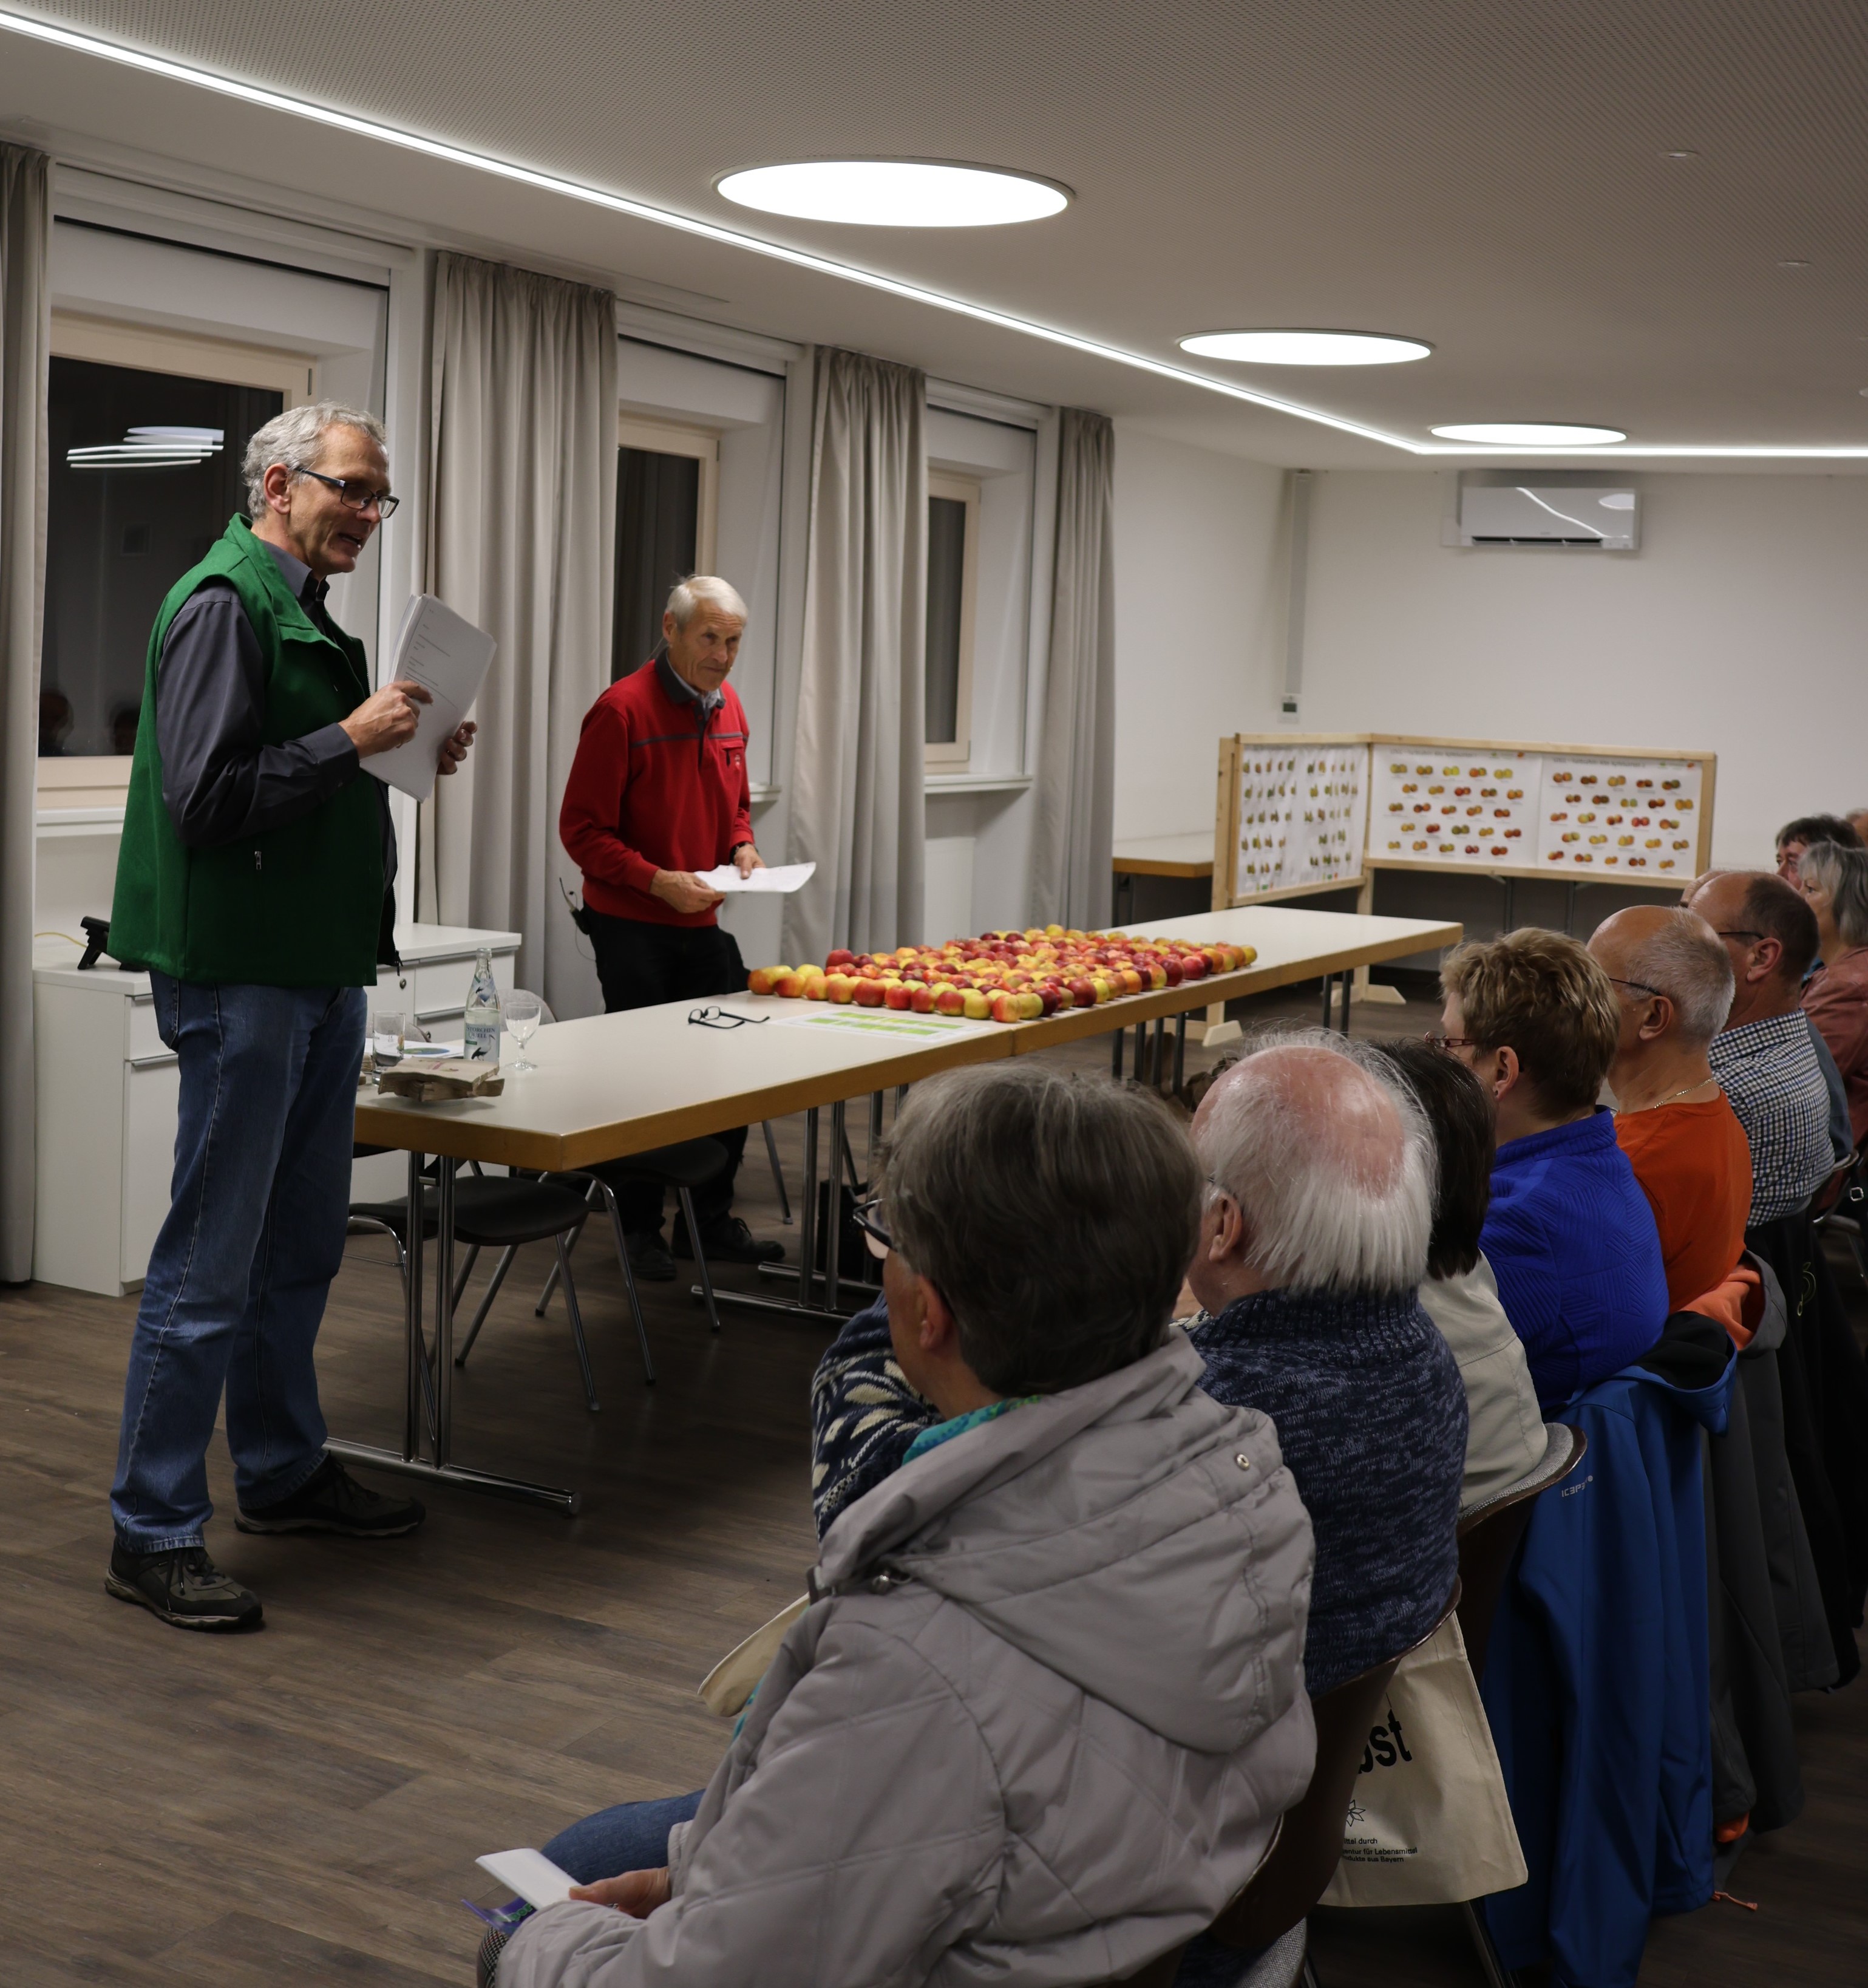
(633, 1836)
(236, 1285)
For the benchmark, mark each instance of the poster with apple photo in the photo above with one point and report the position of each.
(1619, 816)
(1470, 806)
(1302, 811)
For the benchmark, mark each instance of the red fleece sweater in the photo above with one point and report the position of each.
(654, 787)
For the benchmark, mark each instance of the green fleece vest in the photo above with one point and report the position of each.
(298, 906)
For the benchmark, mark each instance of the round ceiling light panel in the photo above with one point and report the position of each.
(1306, 348)
(1532, 434)
(895, 193)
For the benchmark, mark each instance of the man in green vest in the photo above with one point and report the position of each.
(254, 883)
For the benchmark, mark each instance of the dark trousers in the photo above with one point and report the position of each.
(641, 966)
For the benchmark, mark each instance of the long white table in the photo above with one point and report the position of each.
(611, 1085)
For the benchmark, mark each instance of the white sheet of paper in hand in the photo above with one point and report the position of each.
(449, 658)
(531, 1874)
(783, 877)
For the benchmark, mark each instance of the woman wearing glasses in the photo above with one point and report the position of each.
(1569, 1234)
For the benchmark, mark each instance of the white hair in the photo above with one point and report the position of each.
(689, 594)
(1684, 960)
(1333, 1169)
(296, 439)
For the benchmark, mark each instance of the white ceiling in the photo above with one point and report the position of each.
(1488, 178)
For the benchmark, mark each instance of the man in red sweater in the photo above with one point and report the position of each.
(658, 792)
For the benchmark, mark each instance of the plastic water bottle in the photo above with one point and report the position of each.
(482, 1018)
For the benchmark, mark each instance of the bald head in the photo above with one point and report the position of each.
(1769, 934)
(1653, 951)
(1328, 1163)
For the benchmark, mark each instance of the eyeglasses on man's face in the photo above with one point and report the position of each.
(354, 494)
(1660, 993)
(1446, 1044)
(867, 1217)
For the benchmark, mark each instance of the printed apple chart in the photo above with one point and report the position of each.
(1469, 806)
(1620, 817)
(1302, 807)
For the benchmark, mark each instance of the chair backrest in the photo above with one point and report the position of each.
(1488, 1537)
(1309, 1844)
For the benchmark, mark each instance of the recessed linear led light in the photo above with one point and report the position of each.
(98, 49)
(1306, 348)
(894, 193)
(1530, 434)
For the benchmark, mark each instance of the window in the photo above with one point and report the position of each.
(667, 485)
(146, 431)
(953, 582)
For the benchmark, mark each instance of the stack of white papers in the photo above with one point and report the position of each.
(449, 658)
(785, 878)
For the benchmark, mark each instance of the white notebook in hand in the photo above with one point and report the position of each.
(449, 658)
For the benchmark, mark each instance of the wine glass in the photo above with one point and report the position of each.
(521, 1012)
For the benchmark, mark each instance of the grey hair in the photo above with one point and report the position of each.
(688, 593)
(1055, 1213)
(1337, 1190)
(296, 439)
(1684, 960)
(1843, 872)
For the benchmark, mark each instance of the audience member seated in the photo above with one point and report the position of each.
(1042, 1718)
(1834, 881)
(1766, 1056)
(1504, 1432)
(1806, 832)
(1673, 981)
(1569, 1235)
(1312, 1244)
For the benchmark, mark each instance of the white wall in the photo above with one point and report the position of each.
(1741, 625)
(1198, 621)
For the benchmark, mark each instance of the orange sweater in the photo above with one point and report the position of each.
(1695, 1166)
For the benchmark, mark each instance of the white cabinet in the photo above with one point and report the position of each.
(108, 1091)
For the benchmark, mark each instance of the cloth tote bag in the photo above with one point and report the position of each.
(1429, 1823)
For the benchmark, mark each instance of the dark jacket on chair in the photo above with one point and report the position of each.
(1596, 1685)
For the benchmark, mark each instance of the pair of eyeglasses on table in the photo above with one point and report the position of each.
(722, 1018)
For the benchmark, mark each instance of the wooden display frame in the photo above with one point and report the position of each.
(1232, 750)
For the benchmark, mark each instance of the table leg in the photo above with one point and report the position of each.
(801, 1307)
(876, 1099)
(444, 1312)
(1158, 1060)
(411, 1462)
(1118, 1038)
(833, 1233)
(807, 1213)
(1179, 1050)
(415, 1377)
(1329, 990)
(1511, 899)
(1348, 982)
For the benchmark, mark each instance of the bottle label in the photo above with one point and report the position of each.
(482, 1037)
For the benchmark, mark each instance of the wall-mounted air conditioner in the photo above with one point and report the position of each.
(1527, 508)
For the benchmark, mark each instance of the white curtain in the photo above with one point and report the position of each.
(1074, 835)
(521, 540)
(25, 344)
(858, 810)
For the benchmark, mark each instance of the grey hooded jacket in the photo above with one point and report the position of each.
(1039, 1729)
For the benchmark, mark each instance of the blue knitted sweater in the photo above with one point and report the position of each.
(1571, 1239)
(1371, 1416)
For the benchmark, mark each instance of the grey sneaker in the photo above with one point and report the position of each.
(331, 1500)
(183, 1586)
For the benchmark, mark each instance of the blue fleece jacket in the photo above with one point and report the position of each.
(1571, 1239)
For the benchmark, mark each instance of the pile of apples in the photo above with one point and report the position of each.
(1003, 976)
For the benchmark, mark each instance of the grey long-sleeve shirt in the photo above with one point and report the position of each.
(218, 782)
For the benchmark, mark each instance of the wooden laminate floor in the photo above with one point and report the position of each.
(304, 1805)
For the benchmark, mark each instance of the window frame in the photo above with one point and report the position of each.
(661, 437)
(955, 756)
(92, 780)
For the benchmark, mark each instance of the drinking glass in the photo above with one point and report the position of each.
(387, 1029)
(521, 1012)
